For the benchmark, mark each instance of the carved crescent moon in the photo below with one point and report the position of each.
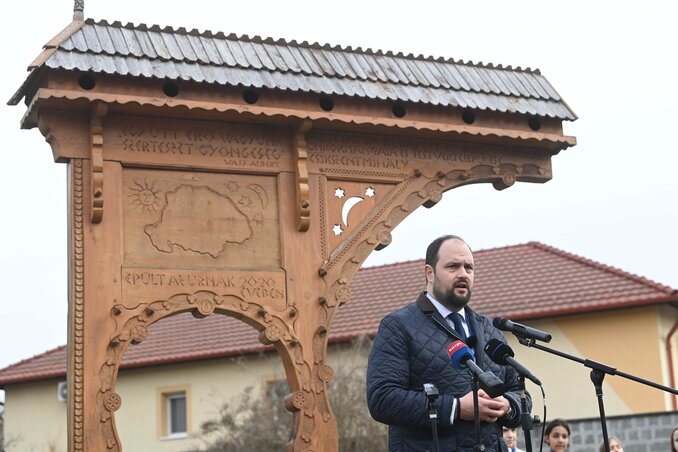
(261, 193)
(348, 205)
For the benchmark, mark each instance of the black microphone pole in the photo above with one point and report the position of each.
(525, 417)
(476, 413)
(431, 395)
(598, 371)
(597, 379)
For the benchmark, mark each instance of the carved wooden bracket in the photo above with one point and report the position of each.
(301, 174)
(96, 128)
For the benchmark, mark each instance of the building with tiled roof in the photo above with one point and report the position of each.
(522, 282)
(589, 308)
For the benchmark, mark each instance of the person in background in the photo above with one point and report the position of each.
(615, 445)
(511, 438)
(557, 435)
(674, 440)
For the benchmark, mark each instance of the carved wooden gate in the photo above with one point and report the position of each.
(250, 177)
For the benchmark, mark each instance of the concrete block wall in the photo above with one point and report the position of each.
(638, 433)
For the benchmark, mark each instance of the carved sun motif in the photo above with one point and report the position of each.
(146, 197)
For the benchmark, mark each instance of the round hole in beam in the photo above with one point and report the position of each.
(87, 82)
(250, 96)
(468, 116)
(534, 123)
(170, 89)
(398, 110)
(326, 103)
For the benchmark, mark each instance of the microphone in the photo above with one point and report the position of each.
(461, 356)
(505, 324)
(501, 353)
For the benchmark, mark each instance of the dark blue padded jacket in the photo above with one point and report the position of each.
(411, 349)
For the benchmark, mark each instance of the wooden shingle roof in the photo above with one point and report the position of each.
(215, 58)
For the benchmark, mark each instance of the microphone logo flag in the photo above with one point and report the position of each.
(454, 347)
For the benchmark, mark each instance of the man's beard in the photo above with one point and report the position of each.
(449, 299)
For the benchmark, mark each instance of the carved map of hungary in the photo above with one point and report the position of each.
(200, 220)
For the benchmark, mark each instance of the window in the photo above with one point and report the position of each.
(174, 412)
(275, 389)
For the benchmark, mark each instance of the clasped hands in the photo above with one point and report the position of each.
(489, 409)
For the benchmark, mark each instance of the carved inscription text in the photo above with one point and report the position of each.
(150, 284)
(242, 146)
(389, 154)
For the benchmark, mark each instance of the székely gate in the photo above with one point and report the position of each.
(251, 177)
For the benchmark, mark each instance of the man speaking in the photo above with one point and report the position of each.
(411, 349)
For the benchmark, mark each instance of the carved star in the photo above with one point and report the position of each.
(339, 193)
(258, 219)
(337, 229)
(245, 201)
(232, 186)
(370, 192)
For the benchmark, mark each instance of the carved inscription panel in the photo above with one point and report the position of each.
(386, 157)
(145, 285)
(196, 219)
(208, 144)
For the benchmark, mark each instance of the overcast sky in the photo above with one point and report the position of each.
(612, 198)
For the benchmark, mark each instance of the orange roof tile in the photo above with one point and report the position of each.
(532, 280)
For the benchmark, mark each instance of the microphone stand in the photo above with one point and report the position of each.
(597, 379)
(432, 394)
(525, 417)
(476, 412)
(598, 371)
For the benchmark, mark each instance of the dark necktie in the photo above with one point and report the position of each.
(458, 325)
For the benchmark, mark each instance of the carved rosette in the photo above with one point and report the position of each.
(112, 401)
(326, 373)
(434, 196)
(295, 401)
(384, 239)
(205, 304)
(342, 294)
(138, 333)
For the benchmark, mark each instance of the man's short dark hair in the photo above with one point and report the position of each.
(434, 247)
